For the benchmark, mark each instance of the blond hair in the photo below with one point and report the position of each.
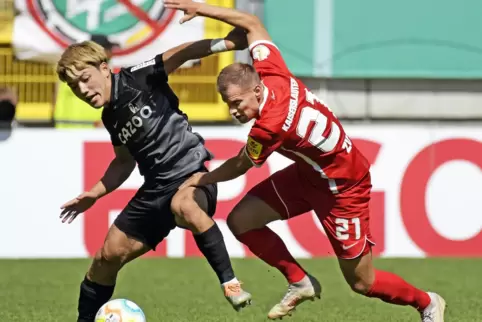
(240, 74)
(80, 56)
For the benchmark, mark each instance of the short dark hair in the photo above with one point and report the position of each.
(240, 74)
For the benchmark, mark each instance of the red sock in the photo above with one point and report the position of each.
(268, 246)
(393, 289)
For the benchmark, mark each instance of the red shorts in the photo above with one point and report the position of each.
(344, 216)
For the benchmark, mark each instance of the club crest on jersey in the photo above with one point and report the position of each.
(261, 52)
(254, 148)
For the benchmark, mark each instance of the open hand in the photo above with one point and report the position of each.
(194, 181)
(188, 6)
(76, 206)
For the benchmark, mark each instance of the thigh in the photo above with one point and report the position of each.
(346, 220)
(147, 217)
(251, 213)
(202, 198)
(206, 197)
(194, 207)
(283, 192)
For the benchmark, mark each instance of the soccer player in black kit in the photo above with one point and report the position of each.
(147, 128)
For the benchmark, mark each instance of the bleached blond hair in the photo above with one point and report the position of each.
(80, 56)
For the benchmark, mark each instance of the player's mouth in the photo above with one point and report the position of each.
(91, 98)
(241, 118)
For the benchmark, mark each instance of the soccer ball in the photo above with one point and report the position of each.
(120, 310)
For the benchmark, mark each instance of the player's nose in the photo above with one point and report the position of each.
(83, 88)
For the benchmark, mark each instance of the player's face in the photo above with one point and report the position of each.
(243, 102)
(92, 85)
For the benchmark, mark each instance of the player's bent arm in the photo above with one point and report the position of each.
(229, 170)
(252, 24)
(175, 57)
(117, 172)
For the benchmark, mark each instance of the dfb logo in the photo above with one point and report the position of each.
(71, 21)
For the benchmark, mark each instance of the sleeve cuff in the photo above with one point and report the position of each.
(247, 155)
(259, 42)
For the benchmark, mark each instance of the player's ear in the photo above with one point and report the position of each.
(104, 69)
(258, 90)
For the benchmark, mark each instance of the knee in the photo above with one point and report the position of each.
(231, 221)
(109, 258)
(360, 281)
(359, 273)
(240, 222)
(235, 224)
(360, 286)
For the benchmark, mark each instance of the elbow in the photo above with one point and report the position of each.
(253, 23)
(127, 166)
(130, 165)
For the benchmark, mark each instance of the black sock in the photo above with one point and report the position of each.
(211, 244)
(92, 297)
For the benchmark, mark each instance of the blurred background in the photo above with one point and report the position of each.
(404, 77)
(369, 61)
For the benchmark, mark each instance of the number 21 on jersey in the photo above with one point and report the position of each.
(316, 138)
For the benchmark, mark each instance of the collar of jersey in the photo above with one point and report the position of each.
(114, 89)
(265, 98)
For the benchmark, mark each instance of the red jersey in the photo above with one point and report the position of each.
(296, 124)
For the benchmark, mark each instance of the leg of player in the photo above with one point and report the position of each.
(248, 222)
(98, 284)
(347, 224)
(191, 207)
(388, 287)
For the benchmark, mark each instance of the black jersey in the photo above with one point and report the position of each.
(143, 114)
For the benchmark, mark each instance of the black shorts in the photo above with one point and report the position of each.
(148, 217)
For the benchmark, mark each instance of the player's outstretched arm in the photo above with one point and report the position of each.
(118, 171)
(252, 24)
(175, 57)
(229, 170)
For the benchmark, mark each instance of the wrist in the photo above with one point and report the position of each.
(219, 45)
(199, 6)
(95, 195)
(205, 179)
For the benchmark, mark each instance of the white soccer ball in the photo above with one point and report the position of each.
(120, 310)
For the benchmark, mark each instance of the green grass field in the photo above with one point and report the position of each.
(186, 290)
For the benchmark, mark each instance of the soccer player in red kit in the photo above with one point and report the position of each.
(329, 174)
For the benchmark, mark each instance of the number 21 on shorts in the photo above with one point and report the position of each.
(343, 228)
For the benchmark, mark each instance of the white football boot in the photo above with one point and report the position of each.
(306, 289)
(434, 312)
